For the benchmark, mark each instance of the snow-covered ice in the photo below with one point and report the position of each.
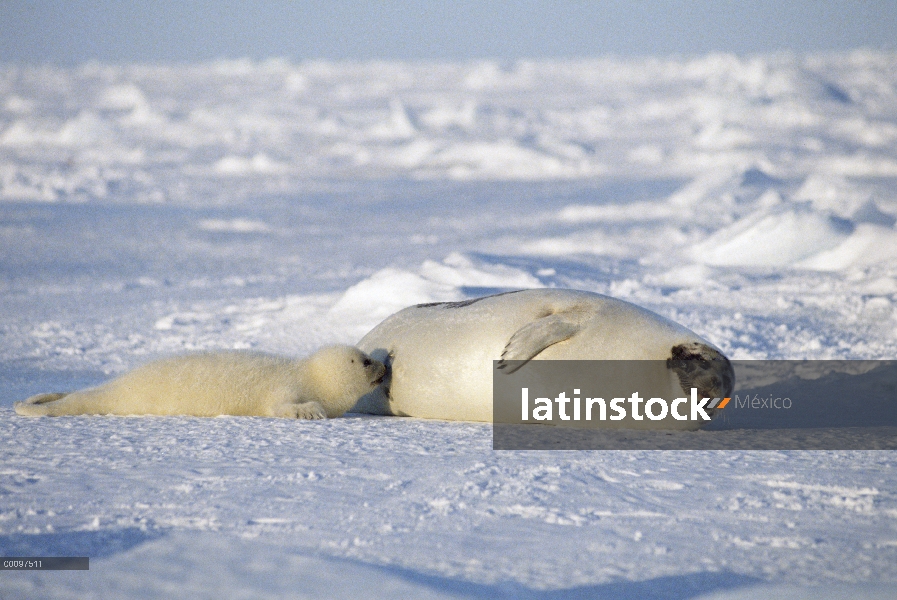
(152, 209)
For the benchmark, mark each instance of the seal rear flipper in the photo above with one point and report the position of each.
(533, 338)
(44, 398)
(35, 406)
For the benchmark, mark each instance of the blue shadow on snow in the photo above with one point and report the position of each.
(673, 587)
(94, 544)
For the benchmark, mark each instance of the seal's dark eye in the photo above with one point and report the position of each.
(367, 362)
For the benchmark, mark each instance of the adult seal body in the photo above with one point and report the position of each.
(207, 384)
(439, 356)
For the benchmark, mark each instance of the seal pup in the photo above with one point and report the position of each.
(439, 356)
(206, 384)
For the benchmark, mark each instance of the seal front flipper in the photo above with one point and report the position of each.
(301, 410)
(531, 339)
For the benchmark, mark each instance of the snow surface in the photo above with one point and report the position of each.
(152, 209)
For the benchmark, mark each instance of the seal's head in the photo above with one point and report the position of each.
(703, 367)
(342, 375)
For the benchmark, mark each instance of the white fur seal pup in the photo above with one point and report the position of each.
(206, 384)
(439, 356)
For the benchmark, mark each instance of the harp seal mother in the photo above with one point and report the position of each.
(440, 356)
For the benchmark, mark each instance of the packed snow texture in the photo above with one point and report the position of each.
(147, 210)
